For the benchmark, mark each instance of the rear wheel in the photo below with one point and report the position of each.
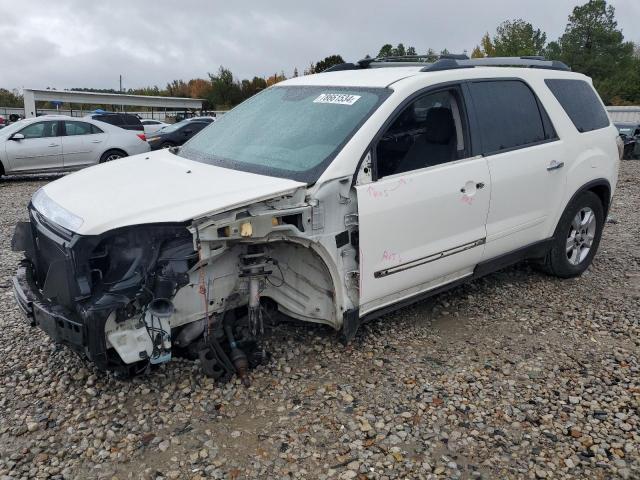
(112, 155)
(577, 237)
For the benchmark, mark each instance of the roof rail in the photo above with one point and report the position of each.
(395, 61)
(436, 63)
(527, 61)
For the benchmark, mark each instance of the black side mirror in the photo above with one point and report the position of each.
(16, 137)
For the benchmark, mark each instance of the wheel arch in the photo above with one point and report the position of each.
(114, 149)
(322, 259)
(600, 186)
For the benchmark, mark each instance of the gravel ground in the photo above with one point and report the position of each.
(517, 375)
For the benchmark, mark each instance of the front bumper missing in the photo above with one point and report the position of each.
(54, 322)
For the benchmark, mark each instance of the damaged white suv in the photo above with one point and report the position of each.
(328, 198)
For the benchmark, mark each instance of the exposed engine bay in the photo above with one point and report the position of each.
(134, 297)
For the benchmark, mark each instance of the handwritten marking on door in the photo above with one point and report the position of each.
(386, 191)
(467, 199)
(391, 257)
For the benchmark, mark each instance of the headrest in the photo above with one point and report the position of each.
(439, 125)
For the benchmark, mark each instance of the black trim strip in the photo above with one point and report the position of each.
(534, 250)
(428, 259)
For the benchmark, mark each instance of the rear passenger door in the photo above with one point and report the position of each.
(512, 130)
(82, 143)
(422, 220)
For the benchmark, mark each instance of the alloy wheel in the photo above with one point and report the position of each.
(582, 231)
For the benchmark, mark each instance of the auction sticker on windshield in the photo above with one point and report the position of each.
(337, 98)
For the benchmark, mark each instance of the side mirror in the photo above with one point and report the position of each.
(17, 137)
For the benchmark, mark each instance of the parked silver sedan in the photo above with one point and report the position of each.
(62, 143)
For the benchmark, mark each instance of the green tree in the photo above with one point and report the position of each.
(399, 51)
(592, 43)
(477, 52)
(517, 38)
(385, 51)
(10, 98)
(411, 51)
(327, 62)
(225, 91)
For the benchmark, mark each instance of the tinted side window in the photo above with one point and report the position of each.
(580, 102)
(39, 130)
(95, 129)
(77, 128)
(110, 119)
(508, 115)
(197, 126)
(428, 132)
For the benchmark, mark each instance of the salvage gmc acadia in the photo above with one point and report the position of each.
(328, 198)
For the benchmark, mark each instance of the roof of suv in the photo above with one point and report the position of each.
(395, 71)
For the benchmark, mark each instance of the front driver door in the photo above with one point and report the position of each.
(40, 149)
(422, 223)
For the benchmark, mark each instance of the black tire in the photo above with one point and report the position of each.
(112, 155)
(562, 262)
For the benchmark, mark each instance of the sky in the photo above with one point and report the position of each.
(89, 43)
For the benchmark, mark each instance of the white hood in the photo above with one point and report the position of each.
(157, 187)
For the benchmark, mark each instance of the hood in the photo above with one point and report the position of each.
(157, 187)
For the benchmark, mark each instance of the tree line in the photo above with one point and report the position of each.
(591, 44)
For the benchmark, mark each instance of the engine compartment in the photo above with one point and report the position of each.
(201, 289)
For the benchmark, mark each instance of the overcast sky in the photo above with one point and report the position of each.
(82, 43)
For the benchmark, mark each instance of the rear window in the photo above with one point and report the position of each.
(509, 116)
(581, 103)
(132, 120)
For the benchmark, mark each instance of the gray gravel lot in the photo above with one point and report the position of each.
(517, 375)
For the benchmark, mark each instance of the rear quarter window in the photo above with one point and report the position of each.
(581, 103)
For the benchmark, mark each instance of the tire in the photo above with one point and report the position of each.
(576, 238)
(112, 155)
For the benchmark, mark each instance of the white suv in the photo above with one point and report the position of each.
(328, 198)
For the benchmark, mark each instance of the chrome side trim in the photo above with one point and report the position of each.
(428, 259)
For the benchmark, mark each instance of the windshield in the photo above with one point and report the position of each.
(291, 132)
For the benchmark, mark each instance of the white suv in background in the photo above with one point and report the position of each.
(62, 143)
(330, 198)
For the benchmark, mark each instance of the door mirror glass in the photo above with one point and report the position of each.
(16, 136)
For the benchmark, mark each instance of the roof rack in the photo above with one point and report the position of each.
(436, 63)
(530, 62)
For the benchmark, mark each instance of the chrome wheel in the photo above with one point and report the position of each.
(581, 235)
(112, 156)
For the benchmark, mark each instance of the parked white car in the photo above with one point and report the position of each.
(62, 143)
(329, 198)
(152, 126)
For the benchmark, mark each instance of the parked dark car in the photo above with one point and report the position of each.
(178, 133)
(122, 120)
(630, 134)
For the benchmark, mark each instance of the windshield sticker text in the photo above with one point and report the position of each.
(337, 98)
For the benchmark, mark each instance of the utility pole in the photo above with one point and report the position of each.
(121, 106)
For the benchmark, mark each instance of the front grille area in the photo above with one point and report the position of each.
(52, 262)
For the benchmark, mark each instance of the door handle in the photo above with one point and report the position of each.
(54, 144)
(555, 165)
(479, 186)
(96, 141)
